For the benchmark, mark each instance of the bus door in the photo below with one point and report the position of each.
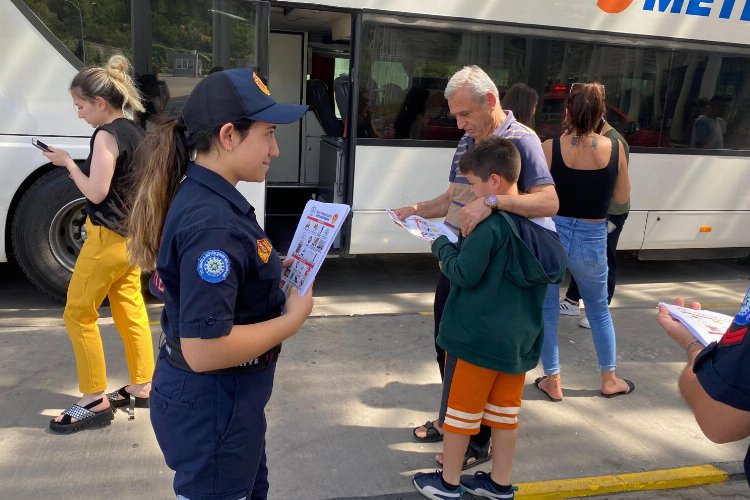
(308, 62)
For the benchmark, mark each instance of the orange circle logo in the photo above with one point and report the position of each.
(613, 6)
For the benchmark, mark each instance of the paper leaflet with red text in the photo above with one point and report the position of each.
(423, 228)
(706, 326)
(316, 231)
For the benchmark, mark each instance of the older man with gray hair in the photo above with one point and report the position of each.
(474, 101)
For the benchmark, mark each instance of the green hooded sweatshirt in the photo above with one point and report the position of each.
(499, 276)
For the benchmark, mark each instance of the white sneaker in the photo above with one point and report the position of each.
(584, 323)
(569, 308)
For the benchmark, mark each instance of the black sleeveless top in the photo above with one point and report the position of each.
(113, 210)
(584, 194)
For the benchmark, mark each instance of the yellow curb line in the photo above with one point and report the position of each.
(682, 477)
(426, 313)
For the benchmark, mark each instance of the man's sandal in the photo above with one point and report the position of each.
(87, 419)
(132, 402)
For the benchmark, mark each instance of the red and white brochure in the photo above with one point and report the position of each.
(706, 326)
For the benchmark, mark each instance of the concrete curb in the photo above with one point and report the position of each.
(682, 477)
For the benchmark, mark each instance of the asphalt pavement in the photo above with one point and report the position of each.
(361, 374)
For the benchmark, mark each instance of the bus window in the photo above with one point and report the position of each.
(171, 44)
(400, 58)
(655, 96)
(708, 105)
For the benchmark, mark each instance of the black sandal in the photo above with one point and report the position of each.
(431, 436)
(132, 402)
(480, 454)
(86, 418)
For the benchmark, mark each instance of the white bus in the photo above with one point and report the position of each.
(379, 133)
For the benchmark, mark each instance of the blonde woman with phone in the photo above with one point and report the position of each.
(106, 99)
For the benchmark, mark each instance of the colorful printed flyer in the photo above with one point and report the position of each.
(317, 228)
(706, 326)
(423, 228)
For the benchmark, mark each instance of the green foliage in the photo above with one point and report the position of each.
(177, 26)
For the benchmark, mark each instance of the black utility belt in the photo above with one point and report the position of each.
(175, 358)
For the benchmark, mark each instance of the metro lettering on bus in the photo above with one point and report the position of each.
(701, 8)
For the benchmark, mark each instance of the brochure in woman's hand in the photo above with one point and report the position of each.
(423, 228)
(706, 326)
(316, 231)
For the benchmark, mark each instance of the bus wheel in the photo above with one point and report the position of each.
(48, 232)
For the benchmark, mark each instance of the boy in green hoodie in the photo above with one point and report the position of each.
(492, 326)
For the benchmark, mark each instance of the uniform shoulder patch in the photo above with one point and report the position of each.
(264, 250)
(735, 335)
(743, 317)
(213, 266)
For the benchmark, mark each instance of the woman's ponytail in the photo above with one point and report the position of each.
(160, 163)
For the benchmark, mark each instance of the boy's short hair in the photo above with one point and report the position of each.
(492, 155)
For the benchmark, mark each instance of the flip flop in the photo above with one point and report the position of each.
(631, 388)
(539, 381)
(432, 436)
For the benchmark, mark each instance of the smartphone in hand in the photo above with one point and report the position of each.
(36, 142)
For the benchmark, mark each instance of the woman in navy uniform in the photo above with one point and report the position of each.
(715, 383)
(224, 314)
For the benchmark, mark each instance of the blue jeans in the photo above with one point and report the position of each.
(586, 243)
(612, 238)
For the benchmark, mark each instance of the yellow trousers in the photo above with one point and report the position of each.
(103, 270)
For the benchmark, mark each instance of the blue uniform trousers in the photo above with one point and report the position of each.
(211, 429)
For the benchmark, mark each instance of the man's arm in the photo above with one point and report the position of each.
(719, 422)
(430, 209)
(540, 201)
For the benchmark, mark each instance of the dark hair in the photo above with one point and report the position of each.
(521, 99)
(585, 108)
(160, 163)
(492, 155)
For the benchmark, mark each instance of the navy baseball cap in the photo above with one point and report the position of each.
(232, 95)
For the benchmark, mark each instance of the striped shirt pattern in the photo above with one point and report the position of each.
(534, 171)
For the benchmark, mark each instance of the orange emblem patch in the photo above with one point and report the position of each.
(264, 250)
(260, 84)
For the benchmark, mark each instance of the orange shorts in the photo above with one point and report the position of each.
(473, 395)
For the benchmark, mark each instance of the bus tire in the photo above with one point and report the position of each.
(48, 231)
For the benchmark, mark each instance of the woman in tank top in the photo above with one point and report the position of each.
(106, 99)
(589, 170)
